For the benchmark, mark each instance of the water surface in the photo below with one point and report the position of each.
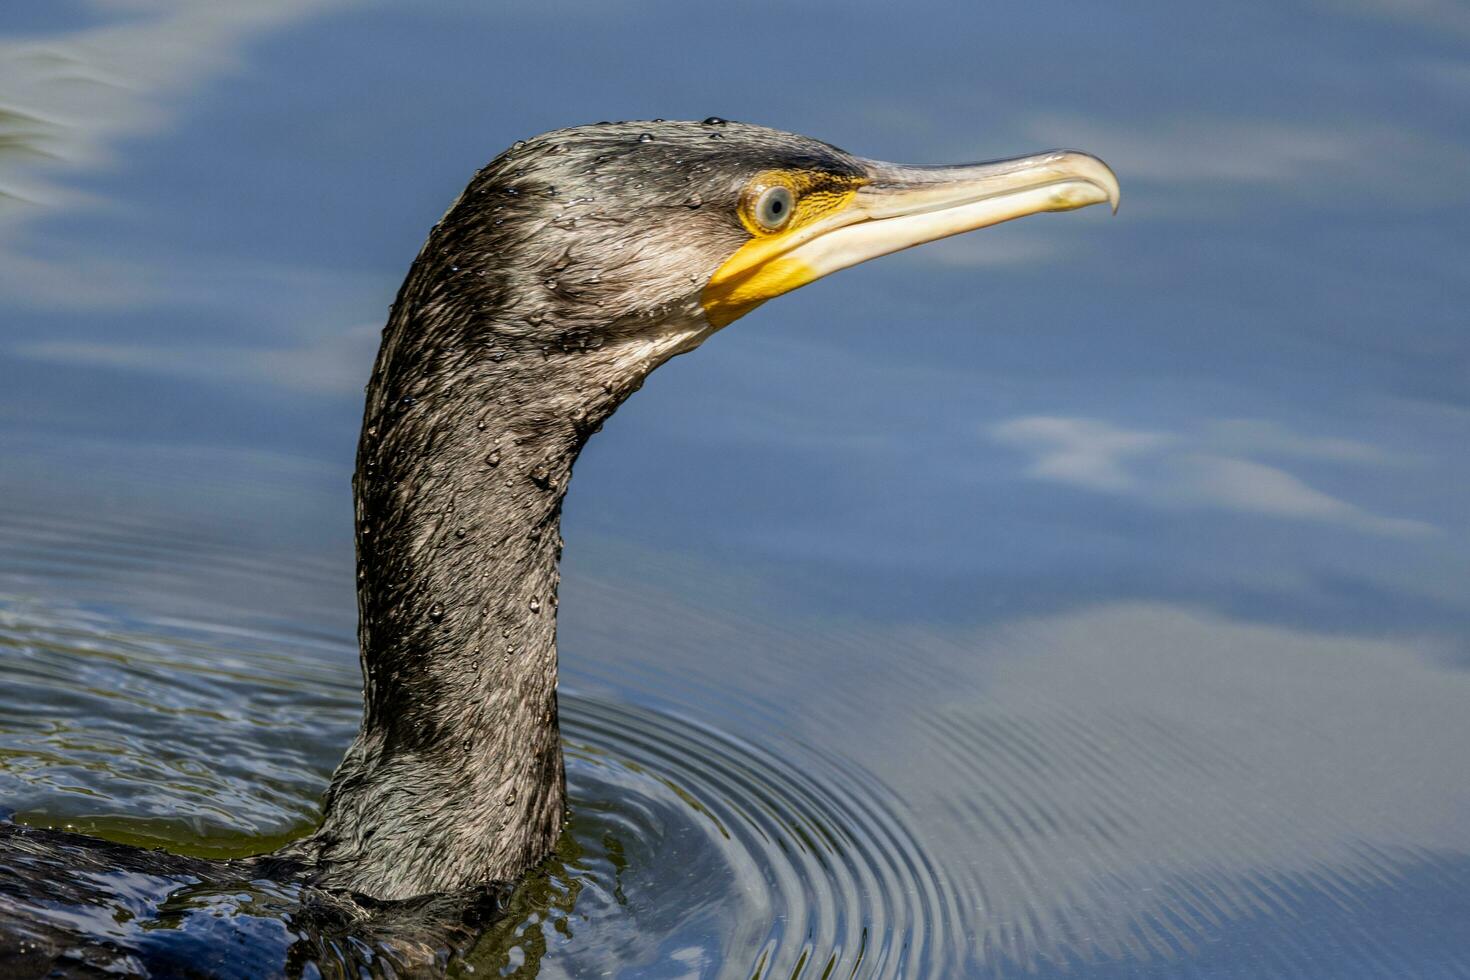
(1084, 597)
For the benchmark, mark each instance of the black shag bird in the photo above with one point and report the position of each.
(572, 266)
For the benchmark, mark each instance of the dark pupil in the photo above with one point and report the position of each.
(776, 206)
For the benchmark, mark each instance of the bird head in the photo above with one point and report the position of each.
(680, 228)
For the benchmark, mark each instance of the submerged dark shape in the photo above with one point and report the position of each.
(570, 268)
(77, 906)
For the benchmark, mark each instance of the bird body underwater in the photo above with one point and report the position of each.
(572, 266)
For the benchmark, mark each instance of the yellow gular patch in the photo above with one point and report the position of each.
(759, 270)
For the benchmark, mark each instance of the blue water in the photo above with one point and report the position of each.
(1122, 560)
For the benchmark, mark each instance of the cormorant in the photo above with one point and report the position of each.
(572, 265)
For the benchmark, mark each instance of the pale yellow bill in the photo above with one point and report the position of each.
(900, 207)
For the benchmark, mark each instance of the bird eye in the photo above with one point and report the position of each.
(773, 208)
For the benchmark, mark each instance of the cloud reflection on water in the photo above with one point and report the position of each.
(84, 92)
(1172, 470)
(1118, 781)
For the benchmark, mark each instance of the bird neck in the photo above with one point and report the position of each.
(468, 441)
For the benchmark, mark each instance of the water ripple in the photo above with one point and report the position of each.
(800, 858)
(686, 845)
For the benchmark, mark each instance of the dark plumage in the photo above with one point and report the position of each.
(569, 269)
(572, 266)
(80, 907)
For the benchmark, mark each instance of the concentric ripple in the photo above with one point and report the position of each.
(692, 853)
(689, 852)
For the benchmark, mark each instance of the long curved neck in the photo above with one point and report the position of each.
(468, 441)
